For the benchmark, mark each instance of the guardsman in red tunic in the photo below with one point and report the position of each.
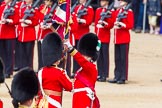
(8, 35)
(122, 25)
(43, 29)
(52, 79)
(17, 64)
(103, 24)
(27, 34)
(24, 88)
(83, 24)
(84, 95)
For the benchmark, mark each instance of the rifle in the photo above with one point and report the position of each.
(124, 13)
(9, 11)
(107, 13)
(84, 10)
(48, 17)
(73, 7)
(29, 12)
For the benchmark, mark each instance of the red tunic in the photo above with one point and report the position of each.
(122, 35)
(55, 79)
(1, 104)
(7, 31)
(43, 32)
(27, 34)
(89, 72)
(84, 28)
(104, 33)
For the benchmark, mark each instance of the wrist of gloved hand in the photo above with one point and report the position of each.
(9, 20)
(83, 21)
(45, 26)
(103, 23)
(49, 25)
(100, 26)
(119, 25)
(122, 24)
(28, 21)
(24, 25)
(68, 44)
(2, 21)
(6, 21)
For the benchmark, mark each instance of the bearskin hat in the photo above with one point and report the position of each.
(24, 85)
(2, 77)
(89, 45)
(52, 48)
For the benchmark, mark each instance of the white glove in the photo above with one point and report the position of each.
(68, 44)
(3, 21)
(41, 25)
(26, 21)
(21, 20)
(158, 14)
(9, 20)
(122, 24)
(24, 25)
(119, 25)
(100, 26)
(116, 27)
(47, 26)
(81, 20)
(103, 22)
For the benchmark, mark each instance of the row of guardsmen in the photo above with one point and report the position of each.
(20, 44)
(87, 49)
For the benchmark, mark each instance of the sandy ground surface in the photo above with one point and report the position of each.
(143, 90)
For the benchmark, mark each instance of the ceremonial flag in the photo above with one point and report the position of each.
(62, 15)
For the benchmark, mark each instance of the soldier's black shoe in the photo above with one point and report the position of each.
(137, 30)
(161, 80)
(121, 82)
(102, 79)
(112, 81)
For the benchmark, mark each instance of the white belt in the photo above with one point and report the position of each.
(49, 99)
(90, 93)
